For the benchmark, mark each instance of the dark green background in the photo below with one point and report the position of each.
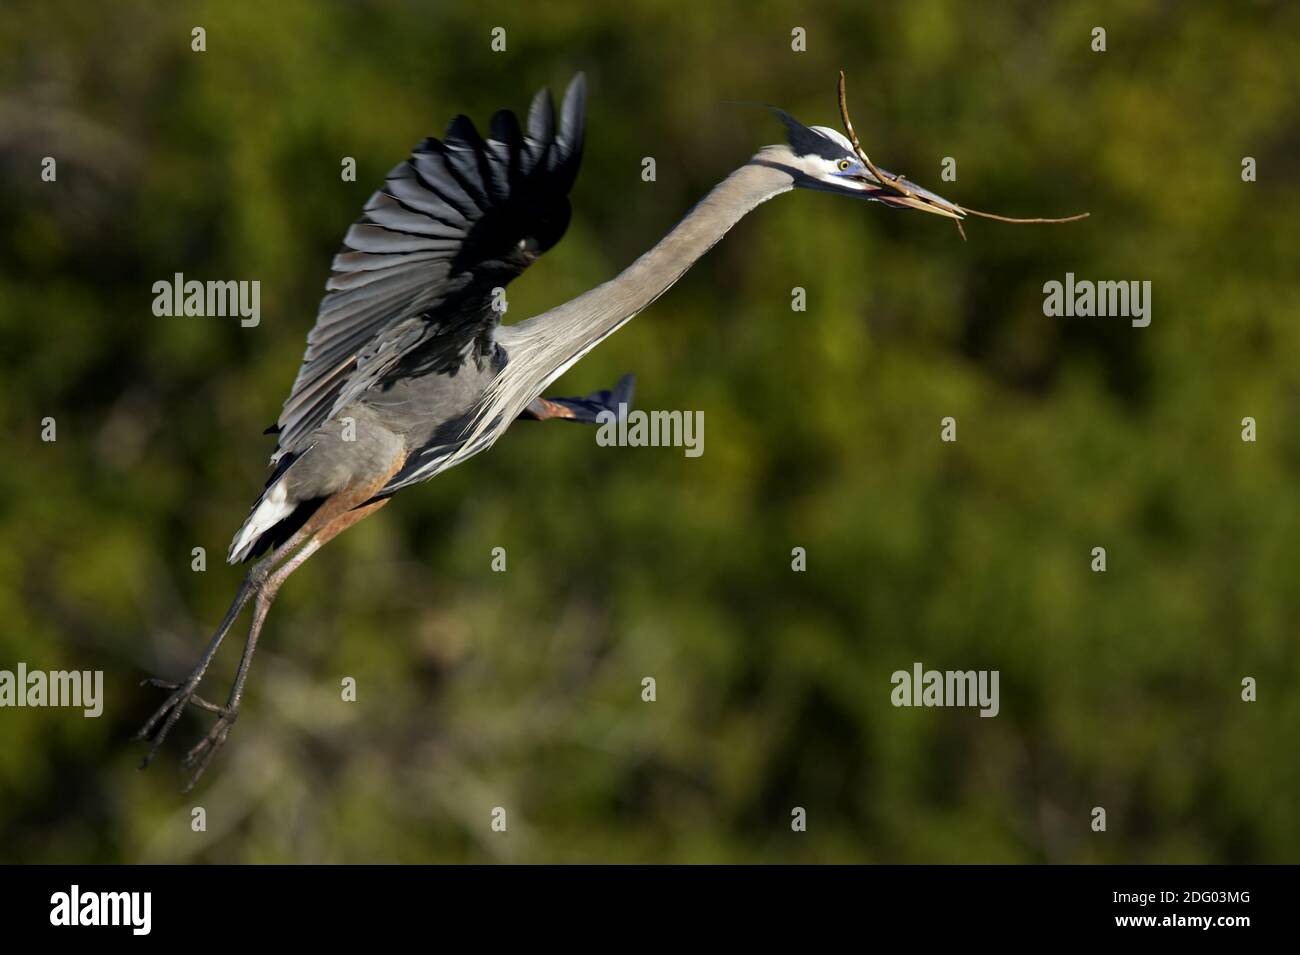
(522, 689)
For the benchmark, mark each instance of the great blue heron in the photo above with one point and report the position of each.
(408, 370)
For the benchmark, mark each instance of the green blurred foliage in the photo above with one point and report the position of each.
(522, 689)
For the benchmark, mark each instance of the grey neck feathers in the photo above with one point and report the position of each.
(540, 349)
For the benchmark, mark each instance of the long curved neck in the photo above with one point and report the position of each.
(608, 306)
(541, 348)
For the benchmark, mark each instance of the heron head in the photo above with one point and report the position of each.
(822, 158)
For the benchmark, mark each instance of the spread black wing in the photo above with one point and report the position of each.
(459, 218)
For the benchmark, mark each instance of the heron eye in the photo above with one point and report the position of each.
(843, 165)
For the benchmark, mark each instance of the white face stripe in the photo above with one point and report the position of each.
(828, 170)
(827, 174)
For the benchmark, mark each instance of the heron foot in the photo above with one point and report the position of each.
(160, 724)
(197, 759)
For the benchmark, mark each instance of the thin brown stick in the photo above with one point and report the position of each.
(857, 147)
(893, 182)
(990, 215)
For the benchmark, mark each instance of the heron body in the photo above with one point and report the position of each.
(408, 370)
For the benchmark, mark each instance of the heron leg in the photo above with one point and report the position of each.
(183, 694)
(544, 409)
(198, 758)
(588, 410)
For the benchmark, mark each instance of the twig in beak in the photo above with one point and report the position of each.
(997, 218)
(895, 183)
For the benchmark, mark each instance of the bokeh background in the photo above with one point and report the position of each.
(522, 689)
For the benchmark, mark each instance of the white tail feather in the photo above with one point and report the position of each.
(270, 510)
